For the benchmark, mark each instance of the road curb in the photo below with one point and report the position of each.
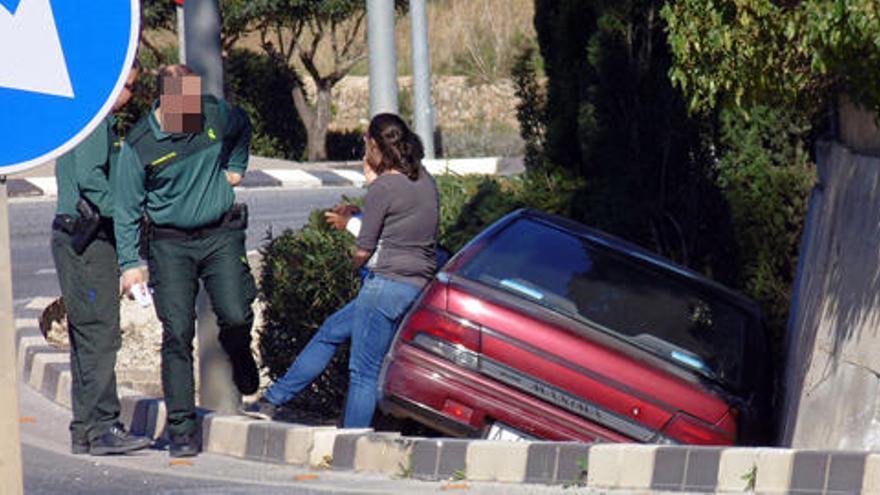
(272, 173)
(631, 467)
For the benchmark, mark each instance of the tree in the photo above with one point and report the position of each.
(297, 33)
(792, 54)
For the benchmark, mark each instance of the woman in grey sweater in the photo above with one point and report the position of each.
(396, 243)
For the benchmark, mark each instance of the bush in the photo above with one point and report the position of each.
(262, 87)
(765, 174)
(306, 276)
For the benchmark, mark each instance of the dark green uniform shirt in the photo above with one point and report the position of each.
(84, 171)
(179, 179)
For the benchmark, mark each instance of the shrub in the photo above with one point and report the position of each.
(765, 174)
(531, 110)
(306, 276)
(263, 87)
(487, 199)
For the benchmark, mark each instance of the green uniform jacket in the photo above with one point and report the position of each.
(84, 172)
(178, 179)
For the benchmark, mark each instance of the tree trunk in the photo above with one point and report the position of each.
(317, 131)
(315, 118)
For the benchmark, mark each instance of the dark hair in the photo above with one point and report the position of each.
(400, 147)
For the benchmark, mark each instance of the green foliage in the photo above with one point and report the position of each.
(469, 204)
(306, 276)
(613, 117)
(749, 52)
(262, 86)
(158, 14)
(531, 109)
(765, 174)
(564, 28)
(751, 478)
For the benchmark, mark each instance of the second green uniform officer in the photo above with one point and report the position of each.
(176, 170)
(85, 259)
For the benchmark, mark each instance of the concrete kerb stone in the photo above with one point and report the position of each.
(495, 460)
(387, 453)
(871, 478)
(608, 466)
(324, 443)
(628, 466)
(266, 172)
(299, 441)
(39, 364)
(62, 394)
(765, 470)
(227, 435)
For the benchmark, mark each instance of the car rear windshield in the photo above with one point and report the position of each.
(650, 307)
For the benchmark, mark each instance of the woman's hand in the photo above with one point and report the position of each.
(339, 215)
(338, 221)
(346, 209)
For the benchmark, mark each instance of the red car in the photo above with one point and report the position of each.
(542, 328)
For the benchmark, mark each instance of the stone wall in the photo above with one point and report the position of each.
(833, 369)
(456, 101)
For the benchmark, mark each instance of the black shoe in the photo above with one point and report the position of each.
(184, 445)
(244, 371)
(79, 444)
(261, 409)
(117, 441)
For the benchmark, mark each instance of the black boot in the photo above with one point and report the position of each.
(184, 445)
(244, 370)
(117, 441)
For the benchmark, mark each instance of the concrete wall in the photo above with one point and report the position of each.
(833, 368)
(858, 127)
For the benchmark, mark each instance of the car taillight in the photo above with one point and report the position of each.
(688, 429)
(447, 335)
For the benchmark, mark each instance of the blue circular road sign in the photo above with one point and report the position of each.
(62, 65)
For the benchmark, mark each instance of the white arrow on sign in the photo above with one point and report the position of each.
(31, 58)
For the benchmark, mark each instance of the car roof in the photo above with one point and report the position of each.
(625, 248)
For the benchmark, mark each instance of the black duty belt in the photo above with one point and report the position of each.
(234, 219)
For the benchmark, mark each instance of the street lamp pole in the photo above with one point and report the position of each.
(423, 114)
(202, 30)
(383, 56)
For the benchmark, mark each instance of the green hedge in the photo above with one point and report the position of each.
(306, 276)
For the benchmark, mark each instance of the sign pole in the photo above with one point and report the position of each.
(10, 447)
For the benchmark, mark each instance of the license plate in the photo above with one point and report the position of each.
(500, 431)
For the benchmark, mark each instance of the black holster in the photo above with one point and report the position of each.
(87, 226)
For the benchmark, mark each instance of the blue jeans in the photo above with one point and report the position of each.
(370, 321)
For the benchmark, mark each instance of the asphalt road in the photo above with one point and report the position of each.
(33, 272)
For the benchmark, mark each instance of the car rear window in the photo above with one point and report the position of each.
(654, 309)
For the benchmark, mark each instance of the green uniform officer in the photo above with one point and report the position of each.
(85, 259)
(177, 172)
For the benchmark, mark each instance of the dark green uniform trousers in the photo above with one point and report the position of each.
(176, 265)
(90, 288)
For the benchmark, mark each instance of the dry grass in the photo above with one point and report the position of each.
(475, 38)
